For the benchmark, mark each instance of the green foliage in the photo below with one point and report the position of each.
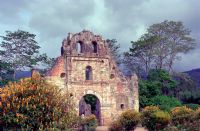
(92, 100)
(154, 119)
(153, 91)
(6, 73)
(140, 56)
(163, 77)
(162, 100)
(128, 120)
(147, 90)
(20, 50)
(89, 123)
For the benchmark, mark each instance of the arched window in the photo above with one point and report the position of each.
(88, 73)
(94, 43)
(79, 47)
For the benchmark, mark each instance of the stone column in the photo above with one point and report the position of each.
(134, 82)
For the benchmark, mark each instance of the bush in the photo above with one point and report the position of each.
(161, 119)
(116, 126)
(153, 118)
(181, 115)
(128, 120)
(89, 122)
(197, 114)
(186, 119)
(35, 104)
(192, 106)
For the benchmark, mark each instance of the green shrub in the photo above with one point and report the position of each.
(89, 123)
(161, 119)
(162, 100)
(128, 120)
(153, 118)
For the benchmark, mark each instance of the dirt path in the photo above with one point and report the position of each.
(105, 128)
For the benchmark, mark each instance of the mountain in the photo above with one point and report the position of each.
(22, 74)
(195, 75)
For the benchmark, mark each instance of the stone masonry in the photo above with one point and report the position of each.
(86, 67)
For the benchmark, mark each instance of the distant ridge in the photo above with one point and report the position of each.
(195, 75)
(22, 74)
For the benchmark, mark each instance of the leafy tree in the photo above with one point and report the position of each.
(174, 38)
(20, 50)
(47, 63)
(160, 46)
(140, 57)
(158, 83)
(114, 50)
(5, 73)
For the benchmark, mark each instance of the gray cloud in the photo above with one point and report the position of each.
(125, 20)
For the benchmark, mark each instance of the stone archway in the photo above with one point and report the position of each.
(90, 104)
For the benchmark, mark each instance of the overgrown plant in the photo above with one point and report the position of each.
(127, 121)
(34, 104)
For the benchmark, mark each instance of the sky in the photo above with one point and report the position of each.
(123, 20)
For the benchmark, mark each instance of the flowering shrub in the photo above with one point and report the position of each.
(153, 118)
(186, 119)
(116, 126)
(161, 119)
(181, 114)
(146, 115)
(34, 104)
(128, 120)
(197, 114)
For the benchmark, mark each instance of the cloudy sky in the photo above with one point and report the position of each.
(124, 20)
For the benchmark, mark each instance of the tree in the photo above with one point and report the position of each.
(174, 38)
(5, 73)
(114, 50)
(161, 46)
(140, 57)
(20, 50)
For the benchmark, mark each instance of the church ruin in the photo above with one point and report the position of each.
(86, 67)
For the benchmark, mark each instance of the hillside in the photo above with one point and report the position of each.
(194, 74)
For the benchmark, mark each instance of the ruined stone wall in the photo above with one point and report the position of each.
(114, 91)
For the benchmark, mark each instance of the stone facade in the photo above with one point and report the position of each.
(86, 67)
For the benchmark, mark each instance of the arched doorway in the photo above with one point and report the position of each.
(90, 104)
